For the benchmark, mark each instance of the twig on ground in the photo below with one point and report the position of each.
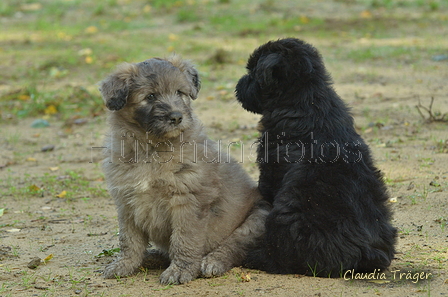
(432, 117)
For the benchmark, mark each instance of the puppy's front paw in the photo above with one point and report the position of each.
(176, 275)
(214, 267)
(119, 268)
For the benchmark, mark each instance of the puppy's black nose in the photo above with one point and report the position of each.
(175, 118)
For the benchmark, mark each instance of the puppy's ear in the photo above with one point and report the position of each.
(269, 69)
(248, 93)
(115, 88)
(276, 67)
(190, 72)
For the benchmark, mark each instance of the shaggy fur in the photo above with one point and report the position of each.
(162, 170)
(329, 200)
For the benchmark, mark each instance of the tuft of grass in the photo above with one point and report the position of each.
(28, 280)
(168, 4)
(426, 162)
(432, 5)
(421, 196)
(108, 253)
(32, 102)
(96, 36)
(188, 14)
(384, 53)
(75, 185)
(6, 9)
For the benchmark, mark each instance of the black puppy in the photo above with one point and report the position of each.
(329, 200)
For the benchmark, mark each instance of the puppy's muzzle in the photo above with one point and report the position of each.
(175, 118)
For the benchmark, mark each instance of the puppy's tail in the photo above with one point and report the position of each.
(261, 258)
(256, 258)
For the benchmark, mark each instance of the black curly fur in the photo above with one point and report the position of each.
(329, 201)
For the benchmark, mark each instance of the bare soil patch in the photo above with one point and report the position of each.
(54, 206)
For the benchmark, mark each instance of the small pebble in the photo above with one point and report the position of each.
(439, 58)
(80, 121)
(40, 123)
(434, 184)
(47, 148)
(36, 261)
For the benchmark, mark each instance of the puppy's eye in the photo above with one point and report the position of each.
(180, 94)
(151, 96)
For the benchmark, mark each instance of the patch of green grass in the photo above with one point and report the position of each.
(432, 5)
(384, 53)
(188, 14)
(69, 102)
(6, 9)
(108, 253)
(168, 4)
(28, 279)
(426, 162)
(388, 53)
(441, 145)
(405, 231)
(75, 185)
(50, 48)
(419, 196)
(443, 222)
(247, 137)
(13, 138)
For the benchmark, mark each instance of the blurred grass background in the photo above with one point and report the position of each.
(54, 52)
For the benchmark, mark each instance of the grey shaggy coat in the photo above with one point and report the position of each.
(170, 186)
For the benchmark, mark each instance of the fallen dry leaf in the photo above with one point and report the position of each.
(33, 188)
(245, 276)
(31, 6)
(365, 14)
(85, 52)
(173, 37)
(50, 109)
(304, 20)
(48, 258)
(62, 194)
(91, 30)
(24, 97)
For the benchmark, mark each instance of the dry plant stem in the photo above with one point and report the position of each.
(432, 117)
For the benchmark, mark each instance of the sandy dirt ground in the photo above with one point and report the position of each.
(73, 232)
(76, 230)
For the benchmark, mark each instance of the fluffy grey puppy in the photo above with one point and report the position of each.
(172, 186)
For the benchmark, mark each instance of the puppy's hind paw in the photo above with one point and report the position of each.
(119, 269)
(211, 267)
(174, 275)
